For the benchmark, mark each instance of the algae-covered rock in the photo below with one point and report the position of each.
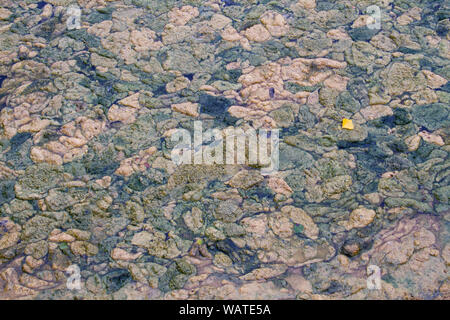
(176, 275)
(301, 218)
(37, 180)
(136, 136)
(337, 185)
(214, 233)
(433, 116)
(38, 228)
(291, 157)
(116, 279)
(159, 245)
(245, 179)
(10, 233)
(359, 218)
(134, 211)
(83, 248)
(59, 200)
(228, 211)
(405, 202)
(181, 60)
(284, 117)
(221, 260)
(37, 249)
(401, 77)
(147, 272)
(359, 133)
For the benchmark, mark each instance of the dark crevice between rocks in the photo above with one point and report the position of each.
(2, 78)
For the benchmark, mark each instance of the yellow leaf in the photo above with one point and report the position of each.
(347, 124)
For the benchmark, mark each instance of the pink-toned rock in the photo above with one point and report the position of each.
(297, 70)
(32, 282)
(61, 237)
(318, 77)
(433, 80)
(245, 179)
(232, 194)
(376, 111)
(122, 114)
(4, 14)
(33, 263)
(409, 16)
(359, 218)
(131, 101)
(177, 84)
(274, 23)
(265, 272)
(83, 248)
(72, 142)
(307, 4)
(432, 138)
(281, 225)
(373, 198)
(7, 173)
(299, 283)
(325, 62)
(299, 216)
(187, 108)
(102, 63)
(12, 287)
(35, 125)
(257, 33)
(74, 153)
(413, 142)
(242, 112)
(446, 254)
(38, 155)
(363, 21)
(278, 185)
(181, 16)
(136, 163)
(91, 128)
(338, 34)
(10, 233)
(56, 147)
(125, 169)
(105, 182)
(230, 34)
(219, 21)
(79, 234)
(265, 122)
(101, 29)
(68, 129)
(245, 43)
(144, 40)
(256, 225)
(404, 19)
(337, 82)
(120, 254)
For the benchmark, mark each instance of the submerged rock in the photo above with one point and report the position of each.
(38, 179)
(87, 178)
(432, 116)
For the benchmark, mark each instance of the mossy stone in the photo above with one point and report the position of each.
(37, 180)
(433, 116)
(116, 279)
(6, 191)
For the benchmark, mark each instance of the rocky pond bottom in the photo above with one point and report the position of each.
(93, 207)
